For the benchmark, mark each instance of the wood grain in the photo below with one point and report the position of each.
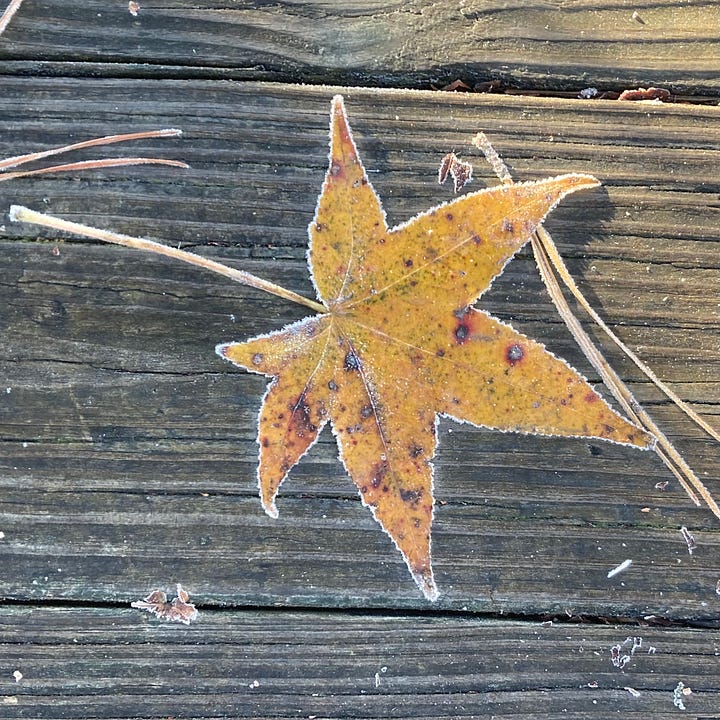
(128, 449)
(535, 45)
(249, 664)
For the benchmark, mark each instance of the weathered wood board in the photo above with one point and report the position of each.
(128, 448)
(108, 663)
(536, 45)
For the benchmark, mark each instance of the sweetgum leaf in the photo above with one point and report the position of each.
(400, 343)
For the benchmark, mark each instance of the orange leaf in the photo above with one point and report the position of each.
(400, 342)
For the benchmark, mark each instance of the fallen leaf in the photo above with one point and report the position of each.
(651, 93)
(177, 610)
(459, 170)
(399, 343)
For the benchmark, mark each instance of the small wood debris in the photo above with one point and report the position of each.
(588, 93)
(459, 170)
(662, 485)
(18, 676)
(621, 657)
(620, 568)
(689, 539)
(678, 693)
(632, 691)
(637, 18)
(717, 588)
(651, 93)
(178, 610)
(133, 8)
(618, 658)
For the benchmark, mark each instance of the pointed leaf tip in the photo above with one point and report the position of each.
(270, 508)
(581, 181)
(427, 585)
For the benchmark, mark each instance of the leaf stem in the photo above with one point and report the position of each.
(19, 213)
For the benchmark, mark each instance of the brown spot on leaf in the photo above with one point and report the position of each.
(408, 263)
(591, 397)
(301, 422)
(379, 472)
(257, 358)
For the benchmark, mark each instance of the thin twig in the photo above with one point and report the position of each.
(547, 256)
(22, 214)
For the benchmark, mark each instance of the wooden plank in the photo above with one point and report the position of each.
(115, 663)
(533, 45)
(127, 448)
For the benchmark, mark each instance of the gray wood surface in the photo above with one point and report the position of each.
(127, 447)
(84, 662)
(534, 45)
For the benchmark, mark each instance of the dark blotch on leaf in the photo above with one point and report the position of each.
(514, 354)
(257, 358)
(461, 332)
(352, 362)
(410, 496)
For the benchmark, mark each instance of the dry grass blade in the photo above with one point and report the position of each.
(547, 258)
(19, 213)
(18, 160)
(8, 13)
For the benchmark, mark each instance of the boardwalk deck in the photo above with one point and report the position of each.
(127, 450)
